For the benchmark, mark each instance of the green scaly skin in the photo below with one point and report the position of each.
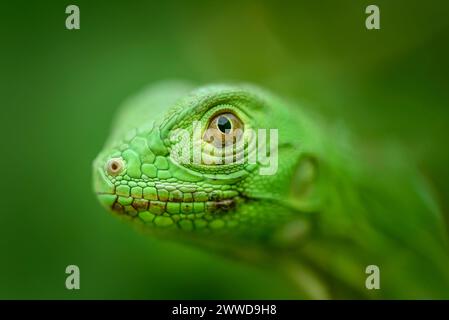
(326, 214)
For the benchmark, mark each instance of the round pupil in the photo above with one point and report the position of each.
(224, 124)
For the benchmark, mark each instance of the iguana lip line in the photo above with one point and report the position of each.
(171, 201)
(168, 200)
(132, 205)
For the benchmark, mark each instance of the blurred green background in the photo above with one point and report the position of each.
(60, 90)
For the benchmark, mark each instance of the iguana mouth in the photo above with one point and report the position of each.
(133, 205)
(163, 202)
(185, 215)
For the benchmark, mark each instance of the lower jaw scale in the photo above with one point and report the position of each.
(166, 213)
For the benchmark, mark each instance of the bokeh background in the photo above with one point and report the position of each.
(60, 90)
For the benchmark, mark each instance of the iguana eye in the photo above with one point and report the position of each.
(224, 129)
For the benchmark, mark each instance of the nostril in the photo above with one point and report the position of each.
(114, 166)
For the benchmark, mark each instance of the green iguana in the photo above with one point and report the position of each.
(330, 210)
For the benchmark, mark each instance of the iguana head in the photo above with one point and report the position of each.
(202, 161)
(164, 168)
